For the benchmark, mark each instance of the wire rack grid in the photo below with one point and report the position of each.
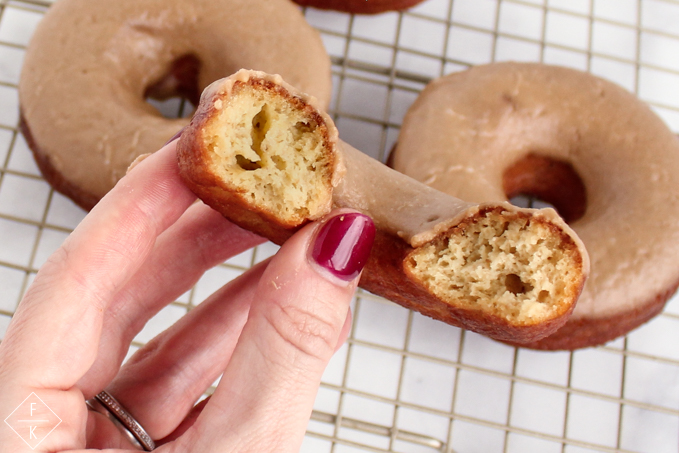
(405, 383)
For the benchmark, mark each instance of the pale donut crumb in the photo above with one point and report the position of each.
(515, 268)
(273, 152)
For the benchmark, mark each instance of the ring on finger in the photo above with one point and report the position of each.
(107, 405)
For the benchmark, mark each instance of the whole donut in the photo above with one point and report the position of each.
(360, 6)
(601, 156)
(91, 64)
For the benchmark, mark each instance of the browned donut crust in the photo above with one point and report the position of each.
(360, 6)
(587, 332)
(81, 197)
(264, 156)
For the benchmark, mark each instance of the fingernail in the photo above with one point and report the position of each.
(176, 136)
(137, 161)
(343, 244)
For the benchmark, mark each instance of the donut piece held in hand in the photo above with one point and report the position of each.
(593, 150)
(267, 158)
(92, 64)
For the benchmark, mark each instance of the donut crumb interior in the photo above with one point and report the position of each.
(510, 265)
(273, 149)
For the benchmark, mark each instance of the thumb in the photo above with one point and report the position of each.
(265, 398)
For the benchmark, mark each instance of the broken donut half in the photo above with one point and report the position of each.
(264, 155)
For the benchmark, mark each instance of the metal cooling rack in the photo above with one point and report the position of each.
(404, 383)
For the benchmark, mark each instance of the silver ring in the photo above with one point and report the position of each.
(105, 404)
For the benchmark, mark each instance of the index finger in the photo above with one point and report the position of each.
(52, 340)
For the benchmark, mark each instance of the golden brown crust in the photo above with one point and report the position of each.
(589, 332)
(58, 181)
(360, 6)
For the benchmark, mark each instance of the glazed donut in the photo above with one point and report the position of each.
(594, 151)
(360, 6)
(267, 158)
(91, 64)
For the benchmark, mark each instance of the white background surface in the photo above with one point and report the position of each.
(405, 383)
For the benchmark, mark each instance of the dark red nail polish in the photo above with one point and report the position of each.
(176, 136)
(343, 244)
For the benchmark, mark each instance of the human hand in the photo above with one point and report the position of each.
(271, 332)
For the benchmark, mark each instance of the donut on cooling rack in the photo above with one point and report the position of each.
(360, 6)
(598, 154)
(267, 158)
(92, 63)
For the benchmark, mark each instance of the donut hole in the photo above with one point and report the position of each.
(529, 201)
(545, 179)
(176, 93)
